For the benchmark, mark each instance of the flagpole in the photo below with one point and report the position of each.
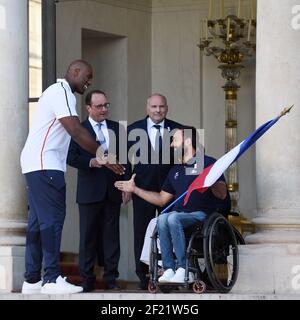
(285, 111)
(175, 201)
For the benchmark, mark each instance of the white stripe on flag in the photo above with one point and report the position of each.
(221, 165)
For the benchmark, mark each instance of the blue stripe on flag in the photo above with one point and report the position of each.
(255, 136)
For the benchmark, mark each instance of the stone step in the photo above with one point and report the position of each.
(134, 295)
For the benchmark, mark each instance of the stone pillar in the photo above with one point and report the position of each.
(13, 132)
(270, 262)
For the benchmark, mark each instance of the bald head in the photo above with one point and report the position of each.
(159, 95)
(78, 64)
(157, 107)
(79, 75)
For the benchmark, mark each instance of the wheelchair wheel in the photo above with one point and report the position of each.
(154, 257)
(153, 266)
(152, 287)
(199, 286)
(220, 253)
(238, 236)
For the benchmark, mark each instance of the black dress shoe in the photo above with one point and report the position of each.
(111, 286)
(143, 286)
(88, 287)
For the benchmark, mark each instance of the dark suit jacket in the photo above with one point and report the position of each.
(150, 176)
(94, 184)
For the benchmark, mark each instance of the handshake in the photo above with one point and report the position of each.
(108, 160)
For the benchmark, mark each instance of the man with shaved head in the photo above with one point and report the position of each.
(149, 175)
(79, 75)
(43, 162)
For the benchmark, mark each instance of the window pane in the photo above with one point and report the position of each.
(35, 48)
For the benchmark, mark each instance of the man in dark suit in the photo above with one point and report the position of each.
(150, 175)
(98, 200)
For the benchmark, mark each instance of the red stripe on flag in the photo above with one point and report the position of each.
(198, 183)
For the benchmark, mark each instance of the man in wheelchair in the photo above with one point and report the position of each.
(171, 224)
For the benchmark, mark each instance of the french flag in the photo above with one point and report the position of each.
(212, 173)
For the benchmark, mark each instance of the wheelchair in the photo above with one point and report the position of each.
(212, 255)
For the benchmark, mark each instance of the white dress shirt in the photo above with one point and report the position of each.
(152, 131)
(104, 129)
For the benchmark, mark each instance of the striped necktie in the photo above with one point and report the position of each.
(101, 137)
(158, 142)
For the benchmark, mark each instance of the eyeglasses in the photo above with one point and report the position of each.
(101, 106)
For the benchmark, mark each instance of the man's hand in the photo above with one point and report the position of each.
(110, 161)
(116, 168)
(157, 198)
(94, 163)
(126, 197)
(219, 189)
(126, 186)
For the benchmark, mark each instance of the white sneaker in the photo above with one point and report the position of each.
(31, 288)
(179, 276)
(61, 286)
(167, 275)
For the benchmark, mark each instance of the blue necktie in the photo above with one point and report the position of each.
(101, 137)
(158, 142)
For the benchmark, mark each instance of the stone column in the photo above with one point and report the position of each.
(270, 263)
(13, 132)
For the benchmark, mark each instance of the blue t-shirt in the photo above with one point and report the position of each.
(178, 181)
